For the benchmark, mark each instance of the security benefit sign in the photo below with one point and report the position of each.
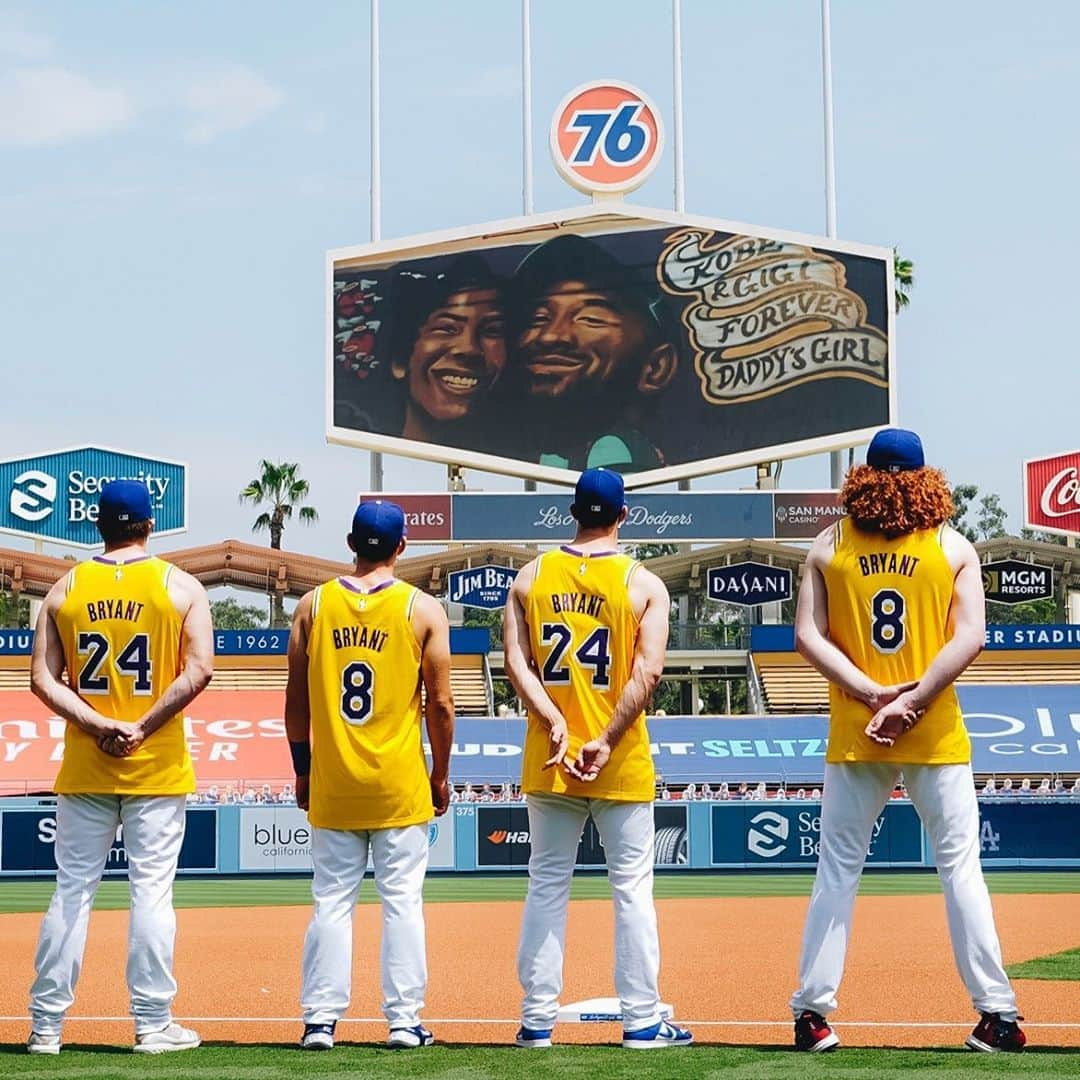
(1010, 581)
(503, 839)
(55, 496)
(759, 834)
(654, 343)
(480, 586)
(749, 583)
(28, 843)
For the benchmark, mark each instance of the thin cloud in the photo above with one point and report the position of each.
(18, 43)
(228, 101)
(40, 105)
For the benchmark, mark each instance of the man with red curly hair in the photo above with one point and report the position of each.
(891, 611)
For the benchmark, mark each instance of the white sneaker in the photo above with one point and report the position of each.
(42, 1044)
(409, 1038)
(167, 1040)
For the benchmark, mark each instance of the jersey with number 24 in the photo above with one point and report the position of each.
(889, 604)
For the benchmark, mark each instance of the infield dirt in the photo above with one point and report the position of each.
(722, 959)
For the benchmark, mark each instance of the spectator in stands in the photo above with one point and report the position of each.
(899, 792)
(1059, 787)
(1074, 791)
(689, 792)
(1025, 787)
(743, 792)
(723, 792)
(1044, 791)
(816, 794)
(761, 792)
(665, 793)
(1007, 786)
(781, 792)
(288, 796)
(194, 799)
(989, 790)
(486, 795)
(467, 794)
(704, 792)
(212, 795)
(455, 795)
(249, 796)
(801, 794)
(268, 794)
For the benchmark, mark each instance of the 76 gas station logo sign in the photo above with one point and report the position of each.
(606, 136)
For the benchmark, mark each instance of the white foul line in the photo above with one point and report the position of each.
(689, 1023)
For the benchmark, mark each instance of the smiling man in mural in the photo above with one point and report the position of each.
(593, 357)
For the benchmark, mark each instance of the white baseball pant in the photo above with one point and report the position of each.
(944, 797)
(400, 858)
(627, 832)
(86, 826)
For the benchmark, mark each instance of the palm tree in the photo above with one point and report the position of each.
(282, 489)
(903, 279)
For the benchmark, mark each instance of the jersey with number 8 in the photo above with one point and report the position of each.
(367, 768)
(583, 632)
(889, 606)
(121, 637)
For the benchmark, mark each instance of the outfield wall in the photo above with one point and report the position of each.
(494, 838)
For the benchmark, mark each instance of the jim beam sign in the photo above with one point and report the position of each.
(1052, 494)
(1011, 581)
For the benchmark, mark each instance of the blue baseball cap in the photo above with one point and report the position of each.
(377, 529)
(124, 502)
(599, 497)
(895, 450)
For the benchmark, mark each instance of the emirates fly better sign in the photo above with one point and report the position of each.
(54, 496)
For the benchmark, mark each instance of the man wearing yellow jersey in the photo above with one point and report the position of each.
(134, 636)
(891, 611)
(584, 635)
(360, 648)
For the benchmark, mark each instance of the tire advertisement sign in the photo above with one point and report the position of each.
(28, 843)
(504, 841)
(758, 834)
(660, 344)
(279, 838)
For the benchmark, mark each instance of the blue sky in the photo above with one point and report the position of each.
(171, 176)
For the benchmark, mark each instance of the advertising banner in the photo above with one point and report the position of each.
(1023, 830)
(998, 637)
(28, 839)
(16, 642)
(54, 496)
(748, 584)
(427, 517)
(660, 344)
(1052, 493)
(754, 834)
(480, 586)
(503, 839)
(277, 838)
(1010, 581)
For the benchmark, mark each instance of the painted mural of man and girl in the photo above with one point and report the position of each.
(563, 363)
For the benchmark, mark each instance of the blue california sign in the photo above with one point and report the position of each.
(749, 583)
(54, 496)
(480, 586)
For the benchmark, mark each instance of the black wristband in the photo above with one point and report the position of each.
(301, 757)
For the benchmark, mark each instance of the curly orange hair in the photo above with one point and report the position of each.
(895, 504)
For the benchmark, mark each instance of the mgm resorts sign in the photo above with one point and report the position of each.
(1011, 581)
(54, 496)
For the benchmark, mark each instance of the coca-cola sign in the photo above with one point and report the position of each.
(1052, 493)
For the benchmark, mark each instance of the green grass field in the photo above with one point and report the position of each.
(465, 888)
(463, 1062)
(221, 1061)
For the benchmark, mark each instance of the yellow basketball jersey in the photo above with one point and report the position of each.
(367, 757)
(121, 638)
(889, 606)
(583, 632)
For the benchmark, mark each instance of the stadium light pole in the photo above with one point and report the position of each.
(526, 126)
(836, 458)
(376, 189)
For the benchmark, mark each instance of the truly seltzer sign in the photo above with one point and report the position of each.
(54, 496)
(480, 586)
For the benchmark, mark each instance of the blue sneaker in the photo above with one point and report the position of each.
(409, 1038)
(657, 1036)
(318, 1037)
(529, 1039)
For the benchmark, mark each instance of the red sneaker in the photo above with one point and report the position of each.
(992, 1035)
(814, 1034)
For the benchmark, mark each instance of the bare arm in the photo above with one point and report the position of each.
(297, 703)
(812, 634)
(47, 670)
(521, 667)
(649, 653)
(433, 633)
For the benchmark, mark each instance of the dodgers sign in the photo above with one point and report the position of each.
(54, 496)
(749, 583)
(480, 586)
